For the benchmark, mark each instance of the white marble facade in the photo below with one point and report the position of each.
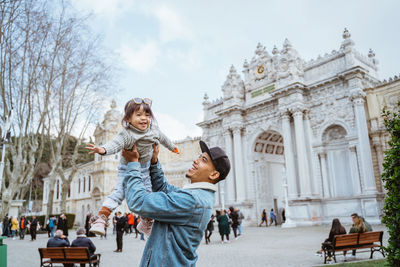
(307, 118)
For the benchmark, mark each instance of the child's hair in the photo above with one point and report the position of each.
(131, 107)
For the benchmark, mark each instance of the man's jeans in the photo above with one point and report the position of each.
(53, 229)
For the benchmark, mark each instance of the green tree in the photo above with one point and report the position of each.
(391, 179)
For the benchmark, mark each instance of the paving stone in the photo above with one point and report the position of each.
(257, 247)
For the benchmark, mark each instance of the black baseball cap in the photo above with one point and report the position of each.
(219, 158)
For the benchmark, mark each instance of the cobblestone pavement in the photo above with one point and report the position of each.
(258, 246)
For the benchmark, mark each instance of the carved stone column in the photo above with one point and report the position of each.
(379, 152)
(230, 192)
(239, 175)
(302, 158)
(355, 172)
(293, 191)
(324, 173)
(367, 172)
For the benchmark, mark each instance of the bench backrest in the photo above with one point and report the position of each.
(370, 237)
(345, 240)
(52, 253)
(78, 253)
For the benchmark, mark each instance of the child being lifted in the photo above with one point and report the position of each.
(137, 128)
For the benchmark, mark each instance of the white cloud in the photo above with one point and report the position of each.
(175, 129)
(110, 9)
(172, 25)
(140, 57)
(187, 60)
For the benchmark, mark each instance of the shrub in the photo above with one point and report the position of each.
(41, 218)
(391, 179)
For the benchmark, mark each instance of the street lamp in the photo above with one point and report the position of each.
(5, 134)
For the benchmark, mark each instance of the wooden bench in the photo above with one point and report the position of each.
(355, 242)
(50, 256)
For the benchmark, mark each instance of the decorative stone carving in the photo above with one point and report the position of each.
(233, 86)
(334, 133)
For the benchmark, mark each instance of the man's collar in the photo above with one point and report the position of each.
(201, 185)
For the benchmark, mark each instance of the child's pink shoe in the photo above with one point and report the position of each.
(99, 225)
(145, 225)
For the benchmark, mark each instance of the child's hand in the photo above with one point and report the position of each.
(176, 151)
(96, 149)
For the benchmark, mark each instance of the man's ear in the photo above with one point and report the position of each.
(214, 176)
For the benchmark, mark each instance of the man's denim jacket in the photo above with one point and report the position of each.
(180, 216)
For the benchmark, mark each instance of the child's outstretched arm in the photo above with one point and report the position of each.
(165, 141)
(95, 149)
(115, 145)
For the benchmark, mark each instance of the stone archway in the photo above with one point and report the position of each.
(269, 162)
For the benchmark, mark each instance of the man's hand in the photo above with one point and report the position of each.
(131, 155)
(154, 157)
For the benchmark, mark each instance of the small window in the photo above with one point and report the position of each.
(58, 189)
(90, 183)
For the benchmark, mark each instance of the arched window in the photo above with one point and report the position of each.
(79, 186)
(84, 184)
(340, 180)
(90, 182)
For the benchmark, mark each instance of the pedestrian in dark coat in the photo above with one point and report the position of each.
(33, 227)
(223, 226)
(63, 224)
(5, 225)
(209, 229)
(121, 222)
(235, 220)
(82, 241)
(59, 240)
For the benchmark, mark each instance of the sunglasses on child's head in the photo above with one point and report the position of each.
(138, 101)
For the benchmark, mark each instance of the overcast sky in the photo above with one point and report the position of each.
(175, 51)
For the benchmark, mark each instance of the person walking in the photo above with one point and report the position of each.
(264, 218)
(235, 221)
(5, 225)
(223, 226)
(283, 215)
(272, 217)
(52, 225)
(22, 227)
(14, 227)
(135, 223)
(240, 220)
(33, 227)
(130, 222)
(83, 241)
(209, 229)
(63, 224)
(115, 223)
(121, 222)
(126, 228)
(180, 215)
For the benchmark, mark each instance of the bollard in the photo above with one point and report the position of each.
(3, 252)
